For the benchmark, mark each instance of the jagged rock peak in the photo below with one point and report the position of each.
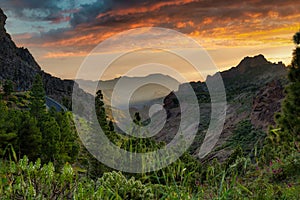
(253, 61)
(2, 21)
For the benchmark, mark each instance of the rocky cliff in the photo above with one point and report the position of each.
(18, 65)
(266, 103)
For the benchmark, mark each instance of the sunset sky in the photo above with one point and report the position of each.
(60, 34)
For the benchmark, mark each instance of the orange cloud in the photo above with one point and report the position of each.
(64, 54)
(144, 9)
(273, 14)
(207, 20)
(180, 25)
(253, 15)
(78, 41)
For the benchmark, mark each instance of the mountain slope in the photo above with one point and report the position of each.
(18, 65)
(250, 86)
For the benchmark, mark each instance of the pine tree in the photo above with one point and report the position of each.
(282, 140)
(8, 87)
(50, 139)
(68, 146)
(289, 119)
(8, 134)
(38, 98)
(29, 137)
(111, 125)
(137, 118)
(95, 167)
(107, 128)
(100, 111)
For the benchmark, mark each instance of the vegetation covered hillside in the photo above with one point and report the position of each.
(45, 170)
(254, 91)
(41, 156)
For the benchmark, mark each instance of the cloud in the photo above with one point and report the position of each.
(61, 33)
(32, 10)
(64, 54)
(214, 24)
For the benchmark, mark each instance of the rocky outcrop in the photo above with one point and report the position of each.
(252, 70)
(250, 62)
(2, 22)
(266, 103)
(18, 65)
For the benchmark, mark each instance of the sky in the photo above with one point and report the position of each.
(60, 34)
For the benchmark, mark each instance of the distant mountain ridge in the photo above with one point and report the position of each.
(147, 91)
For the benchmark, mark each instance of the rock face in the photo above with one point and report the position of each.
(18, 65)
(2, 21)
(266, 103)
(250, 62)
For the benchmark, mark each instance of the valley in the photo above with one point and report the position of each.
(50, 151)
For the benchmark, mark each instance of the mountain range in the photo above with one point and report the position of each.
(254, 89)
(148, 91)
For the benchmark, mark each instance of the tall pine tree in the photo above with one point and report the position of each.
(50, 140)
(289, 119)
(8, 134)
(30, 137)
(38, 98)
(100, 111)
(68, 144)
(106, 126)
(282, 140)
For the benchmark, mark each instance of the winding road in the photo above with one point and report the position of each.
(52, 103)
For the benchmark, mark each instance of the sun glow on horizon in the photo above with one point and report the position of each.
(61, 36)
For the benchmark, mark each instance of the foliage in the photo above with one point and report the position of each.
(29, 137)
(56, 166)
(288, 120)
(246, 137)
(38, 98)
(37, 133)
(107, 127)
(8, 87)
(283, 139)
(27, 180)
(117, 186)
(7, 134)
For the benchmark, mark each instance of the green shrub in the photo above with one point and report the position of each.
(117, 186)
